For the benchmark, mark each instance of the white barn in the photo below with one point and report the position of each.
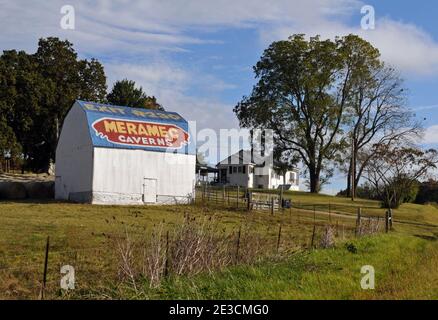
(119, 155)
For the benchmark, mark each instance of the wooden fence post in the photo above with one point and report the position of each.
(281, 198)
(238, 244)
(46, 262)
(390, 219)
(278, 238)
(237, 198)
(313, 236)
(272, 205)
(249, 200)
(329, 214)
(359, 212)
(166, 265)
(386, 221)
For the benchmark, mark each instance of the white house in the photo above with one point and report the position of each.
(118, 155)
(247, 169)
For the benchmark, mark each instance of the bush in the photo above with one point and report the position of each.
(40, 190)
(12, 190)
(427, 192)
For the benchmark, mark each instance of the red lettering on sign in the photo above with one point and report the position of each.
(139, 133)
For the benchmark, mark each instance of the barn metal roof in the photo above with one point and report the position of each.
(133, 128)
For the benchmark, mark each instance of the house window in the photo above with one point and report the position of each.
(239, 169)
(231, 170)
(234, 169)
(244, 169)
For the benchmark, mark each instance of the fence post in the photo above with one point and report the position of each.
(46, 261)
(272, 205)
(390, 219)
(386, 221)
(166, 265)
(249, 200)
(359, 212)
(278, 238)
(223, 194)
(238, 244)
(329, 214)
(228, 197)
(281, 198)
(313, 236)
(237, 197)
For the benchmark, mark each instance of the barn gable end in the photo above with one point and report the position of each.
(75, 150)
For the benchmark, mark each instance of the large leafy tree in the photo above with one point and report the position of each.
(8, 142)
(125, 93)
(23, 91)
(37, 91)
(375, 109)
(72, 79)
(302, 94)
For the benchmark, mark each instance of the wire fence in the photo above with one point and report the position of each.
(275, 228)
(276, 200)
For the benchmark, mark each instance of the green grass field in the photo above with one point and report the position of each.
(83, 236)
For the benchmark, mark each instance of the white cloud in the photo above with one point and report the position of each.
(141, 27)
(150, 24)
(431, 135)
(169, 83)
(405, 46)
(136, 35)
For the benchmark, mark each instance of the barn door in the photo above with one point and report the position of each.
(149, 190)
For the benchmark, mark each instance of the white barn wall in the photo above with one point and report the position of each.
(118, 176)
(74, 165)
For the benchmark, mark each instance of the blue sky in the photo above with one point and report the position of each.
(196, 56)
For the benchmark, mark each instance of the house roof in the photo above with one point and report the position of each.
(243, 157)
(133, 128)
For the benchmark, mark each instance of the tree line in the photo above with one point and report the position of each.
(335, 105)
(38, 89)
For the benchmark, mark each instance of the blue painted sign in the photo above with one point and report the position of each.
(133, 128)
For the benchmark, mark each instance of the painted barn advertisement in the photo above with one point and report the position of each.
(122, 127)
(141, 134)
